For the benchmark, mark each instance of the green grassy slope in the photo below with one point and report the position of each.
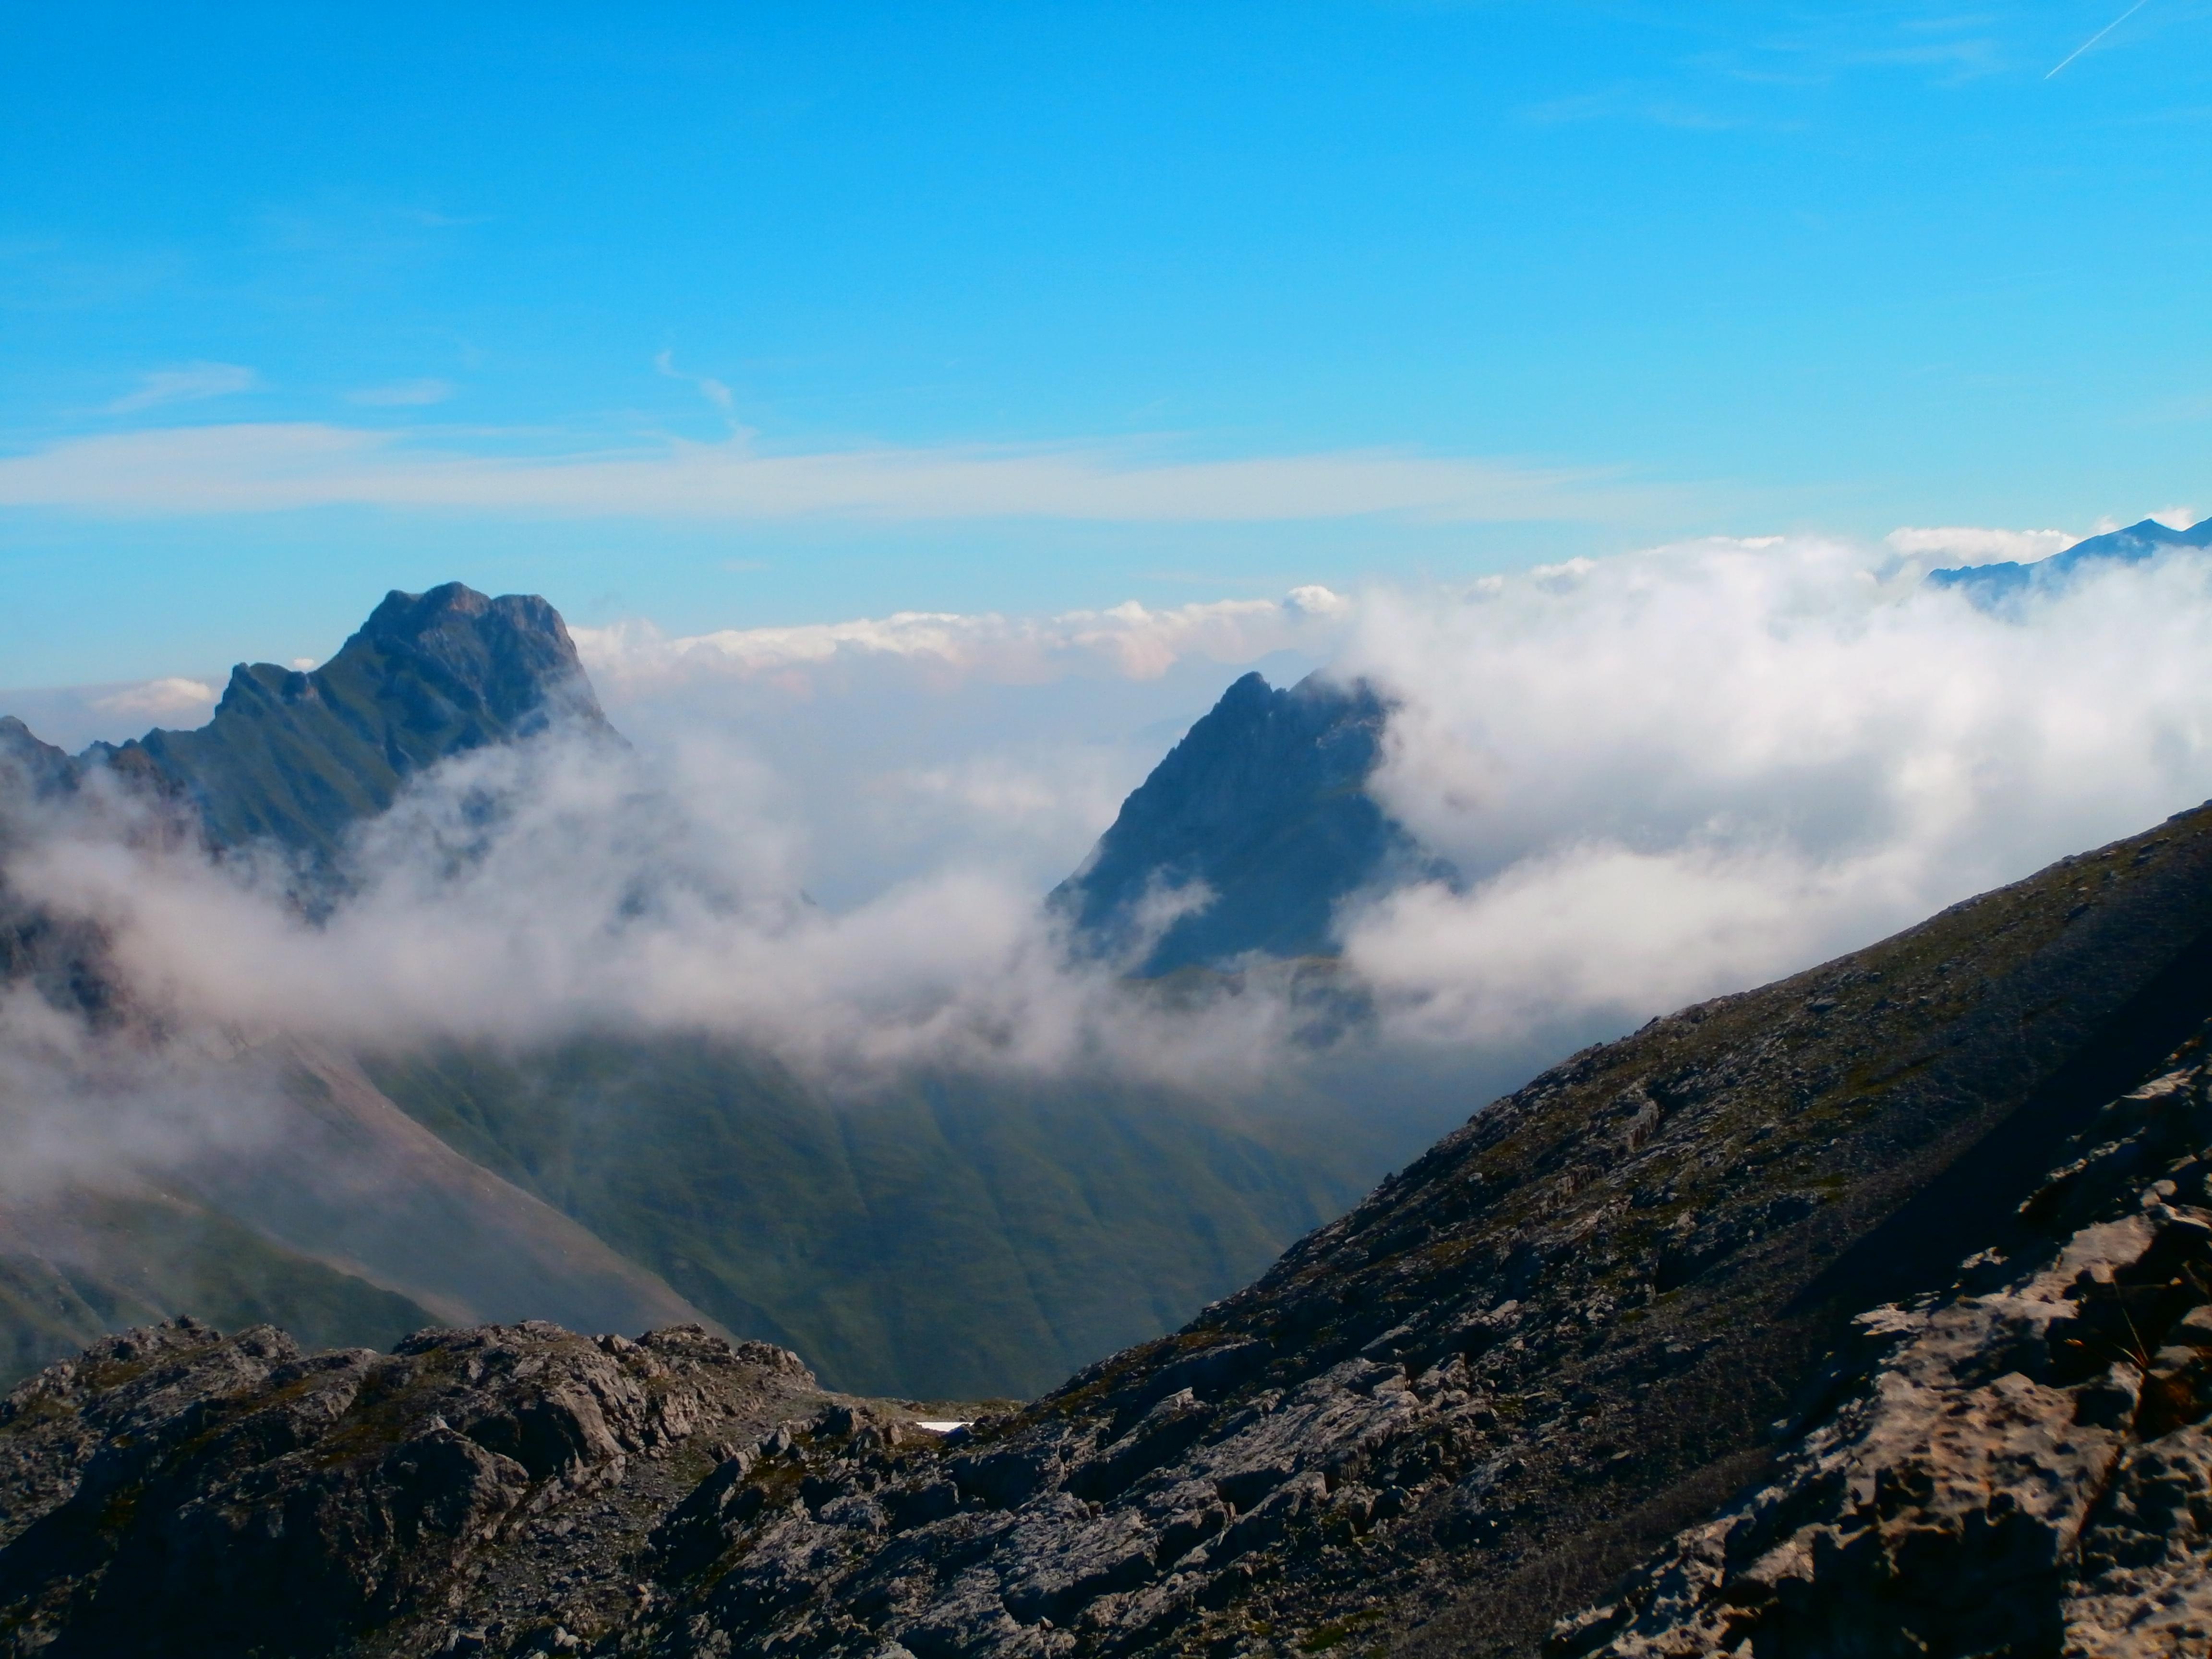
(951, 1238)
(101, 1262)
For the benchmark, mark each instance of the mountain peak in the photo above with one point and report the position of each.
(1263, 804)
(298, 755)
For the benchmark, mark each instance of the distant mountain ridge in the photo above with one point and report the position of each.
(1264, 805)
(1989, 583)
(298, 756)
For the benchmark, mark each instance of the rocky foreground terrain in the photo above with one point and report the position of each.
(1867, 1313)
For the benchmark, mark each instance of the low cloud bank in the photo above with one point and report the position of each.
(1661, 776)
(1688, 771)
(528, 893)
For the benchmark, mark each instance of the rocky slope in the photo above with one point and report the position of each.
(1861, 1308)
(175, 1492)
(2018, 1463)
(1263, 809)
(1449, 1418)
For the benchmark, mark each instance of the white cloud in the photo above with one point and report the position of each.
(1129, 639)
(1663, 776)
(1696, 768)
(188, 383)
(403, 393)
(714, 392)
(526, 893)
(1964, 544)
(163, 699)
(274, 467)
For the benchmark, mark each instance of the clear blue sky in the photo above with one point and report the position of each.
(738, 314)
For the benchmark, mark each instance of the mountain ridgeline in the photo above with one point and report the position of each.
(1867, 1313)
(298, 756)
(1988, 584)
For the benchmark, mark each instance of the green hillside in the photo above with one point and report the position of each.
(91, 1262)
(952, 1237)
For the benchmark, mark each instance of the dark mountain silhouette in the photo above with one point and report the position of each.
(1260, 815)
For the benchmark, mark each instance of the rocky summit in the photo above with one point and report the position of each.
(1245, 838)
(298, 757)
(1864, 1313)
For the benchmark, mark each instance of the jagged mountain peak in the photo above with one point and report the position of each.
(298, 755)
(1264, 803)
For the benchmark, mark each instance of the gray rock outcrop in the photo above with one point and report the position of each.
(175, 1491)
(2016, 1464)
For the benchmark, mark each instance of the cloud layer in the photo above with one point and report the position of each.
(1662, 777)
(276, 467)
(1129, 639)
(1688, 771)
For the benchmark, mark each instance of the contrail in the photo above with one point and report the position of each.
(2098, 36)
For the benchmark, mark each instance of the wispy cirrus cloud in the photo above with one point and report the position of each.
(186, 384)
(274, 467)
(400, 394)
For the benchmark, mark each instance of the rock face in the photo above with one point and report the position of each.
(1260, 818)
(174, 1491)
(2019, 1463)
(1993, 584)
(299, 758)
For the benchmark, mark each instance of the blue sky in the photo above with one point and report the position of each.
(738, 315)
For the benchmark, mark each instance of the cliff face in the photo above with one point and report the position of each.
(299, 758)
(1863, 1309)
(1260, 815)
